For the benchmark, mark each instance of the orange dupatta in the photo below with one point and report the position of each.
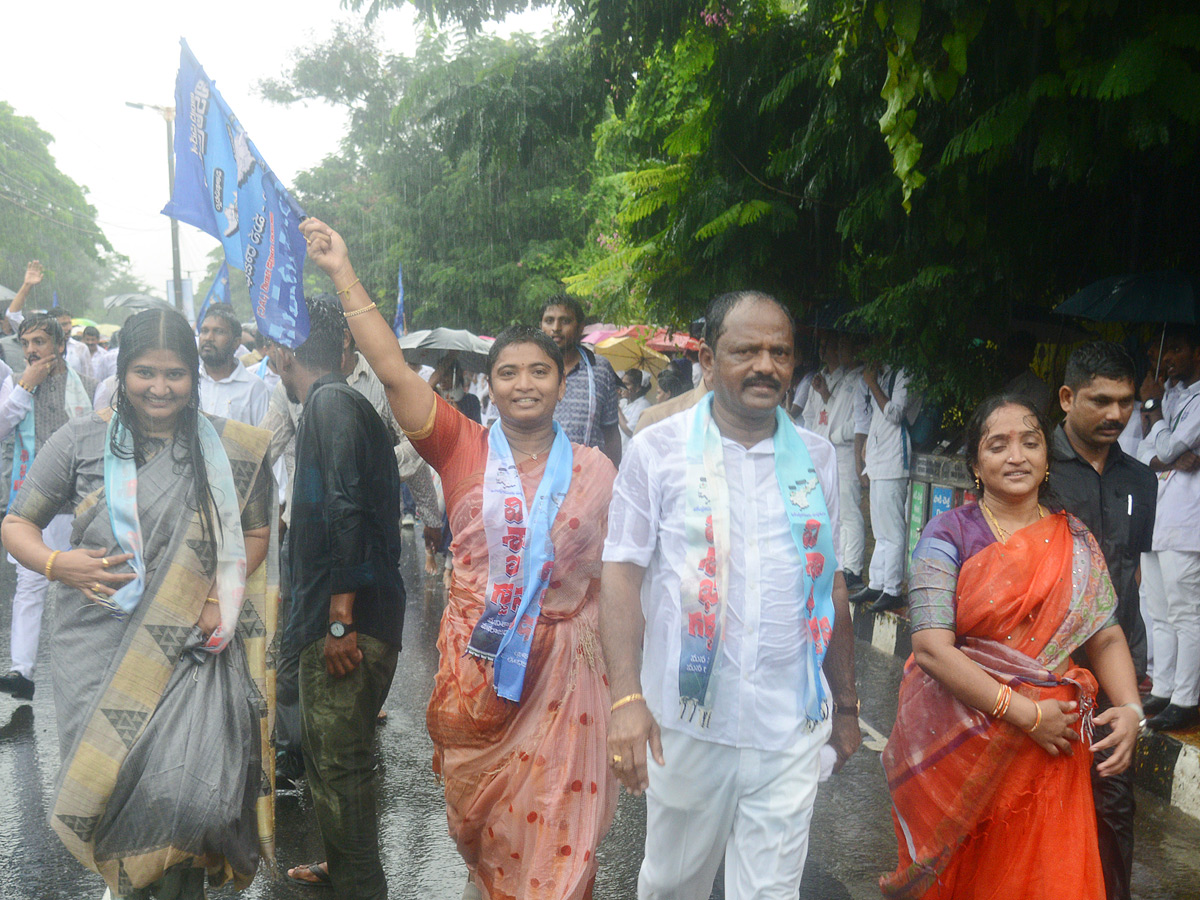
(980, 810)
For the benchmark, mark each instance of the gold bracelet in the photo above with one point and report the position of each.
(21, 384)
(346, 289)
(359, 312)
(212, 600)
(1036, 722)
(50, 565)
(627, 699)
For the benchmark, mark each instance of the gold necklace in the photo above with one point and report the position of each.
(991, 517)
(534, 456)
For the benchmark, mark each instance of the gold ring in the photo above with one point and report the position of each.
(104, 562)
(616, 759)
(96, 588)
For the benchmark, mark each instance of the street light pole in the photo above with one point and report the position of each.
(168, 114)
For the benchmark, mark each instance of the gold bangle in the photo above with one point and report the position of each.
(212, 600)
(50, 565)
(346, 289)
(1037, 721)
(359, 312)
(21, 384)
(624, 700)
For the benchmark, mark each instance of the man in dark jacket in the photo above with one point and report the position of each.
(1115, 496)
(347, 606)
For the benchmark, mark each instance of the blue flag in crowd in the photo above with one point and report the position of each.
(224, 188)
(398, 322)
(218, 292)
(55, 303)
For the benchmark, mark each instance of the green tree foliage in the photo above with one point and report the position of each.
(941, 165)
(45, 215)
(471, 163)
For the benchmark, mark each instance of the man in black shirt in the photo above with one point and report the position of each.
(347, 606)
(1115, 496)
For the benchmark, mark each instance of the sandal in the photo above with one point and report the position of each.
(318, 870)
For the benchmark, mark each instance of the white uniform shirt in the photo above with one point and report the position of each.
(1177, 521)
(104, 363)
(78, 357)
(889, 450)
(816, 411)
(846, 409)
(764, 650)
(242, 396)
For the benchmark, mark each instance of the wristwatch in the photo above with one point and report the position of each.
(341, 629)
(1137, 708)
(847, 709)
(1151, 405)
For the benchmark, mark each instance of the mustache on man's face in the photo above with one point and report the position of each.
(762, 381)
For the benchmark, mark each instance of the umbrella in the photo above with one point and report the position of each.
(135, 302)
(107, 329)
(84, 322)
(672, 342)
(595, 337)
(1168, 296)
(6, 294)
(834, 316)
(631, 353)
(427, 348)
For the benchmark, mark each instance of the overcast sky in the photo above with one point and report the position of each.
(72, 65)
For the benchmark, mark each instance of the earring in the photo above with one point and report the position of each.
(978, 485)
(1047, 478)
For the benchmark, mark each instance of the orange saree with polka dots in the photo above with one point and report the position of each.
(529, 794)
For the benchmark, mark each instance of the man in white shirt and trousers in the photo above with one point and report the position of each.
(888, 457)
(1171, 573)
(227, 388)
(725, 623)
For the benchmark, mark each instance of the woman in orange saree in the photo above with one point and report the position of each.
(989, 760)
(520, 705)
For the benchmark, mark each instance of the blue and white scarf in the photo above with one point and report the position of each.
(704, 586)
(120, 491)
(520, 557)
(76, 401)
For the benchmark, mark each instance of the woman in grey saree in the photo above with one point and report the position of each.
(163, 680)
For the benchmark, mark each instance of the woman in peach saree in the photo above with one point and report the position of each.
(520, 704)
(989, 762)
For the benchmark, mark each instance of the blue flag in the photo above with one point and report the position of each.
(218, 292)
(55, 303)
(398, 322)
(224, 188)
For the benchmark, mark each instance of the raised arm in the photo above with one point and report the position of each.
(410, 397)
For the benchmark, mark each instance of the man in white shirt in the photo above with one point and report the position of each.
(227, 388)
(32, 408)
(729, 698)
(1172, 449)
(77, 355)
(844, 420)
(888, 454)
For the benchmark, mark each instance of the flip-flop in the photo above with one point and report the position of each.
(319, 871)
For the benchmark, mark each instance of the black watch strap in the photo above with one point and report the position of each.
(847, 709)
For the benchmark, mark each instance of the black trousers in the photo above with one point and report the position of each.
(1115, 807)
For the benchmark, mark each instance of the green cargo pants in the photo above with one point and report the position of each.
(338, 736)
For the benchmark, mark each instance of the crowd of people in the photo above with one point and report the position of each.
(648, 584)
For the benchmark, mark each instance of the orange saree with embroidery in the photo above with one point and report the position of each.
(981, 811)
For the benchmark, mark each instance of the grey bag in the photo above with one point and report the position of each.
(192, 777)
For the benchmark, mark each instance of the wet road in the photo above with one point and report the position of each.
(852, 839)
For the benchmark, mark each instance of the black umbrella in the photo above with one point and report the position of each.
(1168, 296)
